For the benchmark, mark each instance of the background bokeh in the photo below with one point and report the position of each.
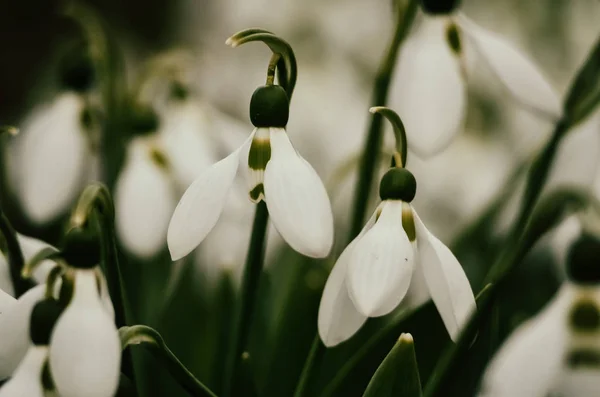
(338, 44)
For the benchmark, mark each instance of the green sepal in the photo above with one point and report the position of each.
(398, 184)
(398, 374)
(269, 107)
(439, 7)
(81, 248)
(582, 260)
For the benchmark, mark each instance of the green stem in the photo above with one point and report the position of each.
(317, 350)
(252, 271)
(139, 334)
(15, 257)
(374, 136)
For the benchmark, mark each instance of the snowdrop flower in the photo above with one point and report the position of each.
(373, 274)
(14, 322)
(432, 72)
(293, 192)
(52, 157)
(31, 378)
(556, 352)
(30, 247)
(85, 350)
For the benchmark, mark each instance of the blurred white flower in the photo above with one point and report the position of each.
(373, 274)
(85, 349)
(292, 190)
(30, 247)
(429, 85)
(51, 158)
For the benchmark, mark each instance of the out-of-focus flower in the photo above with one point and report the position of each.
(429, 86)
(85, 349)
(373, 274)
(30, 247)
(558, 351)
(294, 194)
(28, 379)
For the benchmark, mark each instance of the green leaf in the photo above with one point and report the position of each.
(398, 374)
(584, 93)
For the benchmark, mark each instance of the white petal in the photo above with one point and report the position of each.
(14, 330)
(6, 301)
(445, 278)
(428, 89)
(381, 264)
(338, 319)
(30, 247)
(6, 284)
(27, 379)
(85, 350)
(201, 205)
(516, 71)
(185, 135)
(529, 361)
(297, 200)
(144, 201)
(53, 158)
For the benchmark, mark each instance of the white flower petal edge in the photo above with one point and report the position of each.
(297, 200)
(27, 379)
(85, 350)
(381, 264)
(144, 201)
(5, 281)
(31, 246)
(53, 156)
(14, 330)
(201, 205)
(516, 71)
(6, 300)
(446, 280)
(338, 319)
(529, 361)
(429, 91)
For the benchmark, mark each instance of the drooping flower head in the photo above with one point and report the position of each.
(373, 274)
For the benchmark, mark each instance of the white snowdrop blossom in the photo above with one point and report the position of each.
(373, 274)
(28, 378)
(52, 158)
(431, 75)
(30, 247)
(557, 352)
(85, 350)
(292, 190)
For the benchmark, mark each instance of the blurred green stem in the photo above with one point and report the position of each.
(317, 350)
(139, 334)
(15, 256)
(252, 271)
(405, 18)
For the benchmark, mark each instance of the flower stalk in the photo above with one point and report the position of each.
(16, 262)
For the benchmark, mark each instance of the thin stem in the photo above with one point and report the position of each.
(252, 271)
(401, 155)
(317, 350)
(374, 137)
(139, 334)
(16, 262)
(272, 67)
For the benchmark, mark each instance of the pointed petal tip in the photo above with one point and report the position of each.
(406, 338)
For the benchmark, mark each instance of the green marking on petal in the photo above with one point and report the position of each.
(408, 222)
(585, 316)
(159, 158)
(453, 38)
(583, 358)
(260, 154)
(47, 381)
(258, 193)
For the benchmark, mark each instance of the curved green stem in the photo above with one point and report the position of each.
(141, 334)
(15, 259)
(317, 350)
(278, 46)
(252, 272)
(374, 137)
(399, 133)
(47, 253)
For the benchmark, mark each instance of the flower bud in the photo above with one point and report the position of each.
(81, 249)
(269, 107)
(398, 184)
(439, 7)
(582, 260)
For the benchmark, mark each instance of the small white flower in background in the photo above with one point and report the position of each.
(432, 72)
(85, 349)
(30, 247)
(28, 380)
(293, 192)
(373, 274)
(557, 352)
